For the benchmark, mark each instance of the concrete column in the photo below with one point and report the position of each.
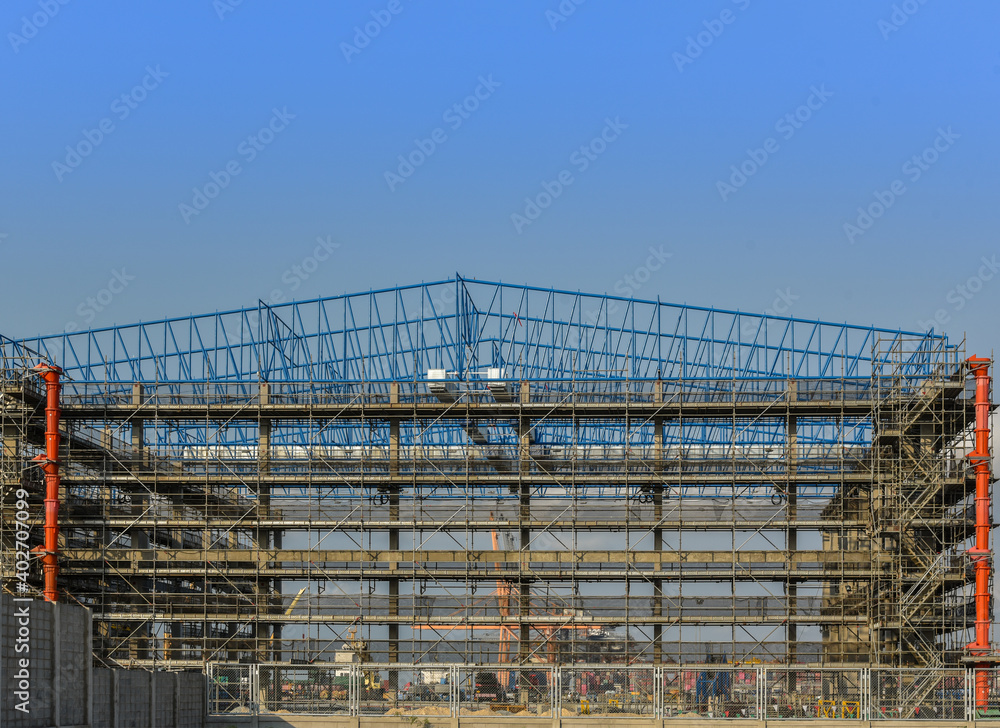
(657, 582)
(138, 428)
(394, 590)
(139, 642)
(524, 519)
(10, 474)
(269, 590)
(393, 584)
(657, 531)
(792, 539)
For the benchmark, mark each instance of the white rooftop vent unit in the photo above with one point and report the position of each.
(439, 387)
(501, 391)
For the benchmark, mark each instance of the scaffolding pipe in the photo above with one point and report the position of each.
(980, 554)
(50, 465)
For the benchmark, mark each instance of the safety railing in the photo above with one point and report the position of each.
(719, 692)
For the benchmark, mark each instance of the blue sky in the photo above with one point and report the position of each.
(735, 138)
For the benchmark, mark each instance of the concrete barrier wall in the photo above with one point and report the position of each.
(54, 640)
(64, 690)
(75, 664)
(103, 695)
(191, 699)
(140, 699)
(132, 696)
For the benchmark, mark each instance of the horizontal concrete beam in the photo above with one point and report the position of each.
(252, 524)
(316, 476)
(566, 410)
(420, 558)
(488, 574)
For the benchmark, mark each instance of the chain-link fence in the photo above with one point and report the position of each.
(606, 690)
(912, 694)
(231, 688)
(718, 692)
(507, 690)
(983, 690)
(399, 689)
(306, 689)
(814, 693)
(712, 691)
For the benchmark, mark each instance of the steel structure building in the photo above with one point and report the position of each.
(471, 472)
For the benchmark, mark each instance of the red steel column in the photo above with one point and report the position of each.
(50, 465)
(980, 554)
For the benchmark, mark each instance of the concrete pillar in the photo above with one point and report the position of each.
(524, 520)
(268, 589)
(139, 641)
(657, 530)
(138, 428)
(393, 584)
(10, 464)
(792, 542)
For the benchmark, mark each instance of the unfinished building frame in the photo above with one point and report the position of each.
(473, 472)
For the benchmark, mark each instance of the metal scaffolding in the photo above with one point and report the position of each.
(469, 472)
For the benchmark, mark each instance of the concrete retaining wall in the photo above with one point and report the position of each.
(63, 688)
(129, 698)
(44, 648)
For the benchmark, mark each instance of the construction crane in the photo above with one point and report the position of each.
(295, 600)
(505, 591)
(371, 683)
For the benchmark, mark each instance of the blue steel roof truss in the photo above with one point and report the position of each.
(558, 340)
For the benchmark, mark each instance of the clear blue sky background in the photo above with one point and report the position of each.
(894, 85)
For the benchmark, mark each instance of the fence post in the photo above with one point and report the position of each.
(658, 706)
(454, 675)
(865, 694)
(970, 689)
(352, 689)
(254, 681)
(554, 684)
(761, 693)
(557, 689)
